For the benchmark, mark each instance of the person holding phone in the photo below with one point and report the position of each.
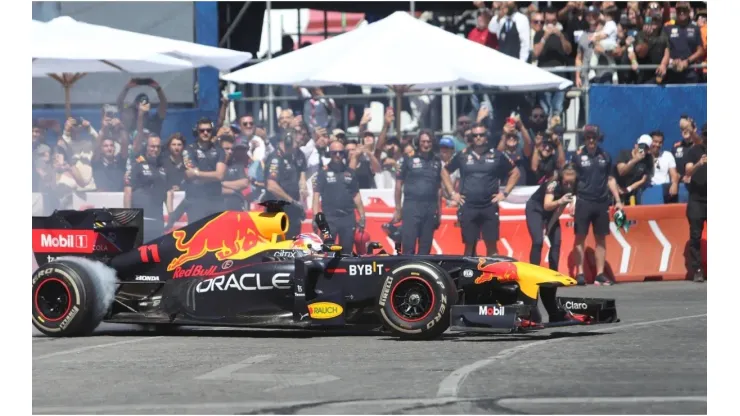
(634, 169)
(129, 114)
(543, 211)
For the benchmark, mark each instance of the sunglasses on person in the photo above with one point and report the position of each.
(248, 124)
(538, 21)
(336, 152)
(477, 135)
(205, 130)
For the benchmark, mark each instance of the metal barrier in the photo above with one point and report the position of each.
(452, 92)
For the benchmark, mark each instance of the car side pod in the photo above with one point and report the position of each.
(596, 310)
(488, 318)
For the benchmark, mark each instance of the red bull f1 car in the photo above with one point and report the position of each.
(237, 269)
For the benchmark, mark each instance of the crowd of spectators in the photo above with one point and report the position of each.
(658, 42)
(127, 153)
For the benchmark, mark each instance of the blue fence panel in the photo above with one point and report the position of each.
(624, 112)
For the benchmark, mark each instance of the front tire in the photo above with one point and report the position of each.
(415, 300)
(64, 300)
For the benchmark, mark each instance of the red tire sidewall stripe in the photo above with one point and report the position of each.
(393, 306)
(36, 298)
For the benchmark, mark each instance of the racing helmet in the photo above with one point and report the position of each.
(620, 220)
(308, 242)
(362, 237)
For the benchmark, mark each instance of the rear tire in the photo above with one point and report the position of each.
(64, 300)
(415, 299)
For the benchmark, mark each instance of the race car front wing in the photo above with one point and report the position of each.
(512, 318)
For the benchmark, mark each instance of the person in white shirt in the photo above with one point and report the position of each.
(512, 29)
(665, 174)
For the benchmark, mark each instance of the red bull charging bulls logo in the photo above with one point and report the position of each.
(500, 271)
(230, 235)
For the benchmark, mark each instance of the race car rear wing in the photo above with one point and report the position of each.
(98, 233)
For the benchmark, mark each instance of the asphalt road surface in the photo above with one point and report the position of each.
(654, 361)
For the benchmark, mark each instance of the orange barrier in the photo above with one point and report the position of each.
(653, 249)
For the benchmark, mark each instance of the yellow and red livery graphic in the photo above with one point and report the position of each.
(324, 310)
(232, 235)
(501, 271)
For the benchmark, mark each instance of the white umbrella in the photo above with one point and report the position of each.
(56, 50)
(198, 55)
(400, 50)
(66, 55)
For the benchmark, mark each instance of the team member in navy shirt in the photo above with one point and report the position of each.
(205, 167)
(419, 179)
(481, 171)
(595, 182)
(543, 211)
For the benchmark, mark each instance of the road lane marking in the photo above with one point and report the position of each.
(450, 385)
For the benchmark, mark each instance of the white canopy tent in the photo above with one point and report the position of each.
(400, 50)
(71, 48)
(402, 53)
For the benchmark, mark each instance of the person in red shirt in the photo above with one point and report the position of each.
(480, 32)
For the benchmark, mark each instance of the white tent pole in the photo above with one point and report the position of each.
(270, 115)
(413, 7)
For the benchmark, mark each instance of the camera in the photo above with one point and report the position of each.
(643, 147)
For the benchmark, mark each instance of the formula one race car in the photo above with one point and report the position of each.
(236, 269)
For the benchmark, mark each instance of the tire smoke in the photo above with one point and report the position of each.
(104, 279)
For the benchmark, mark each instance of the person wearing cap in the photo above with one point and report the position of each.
(548, 157)
(205, 167)
(665, 175)
(543, 210)
(336, 193)
(286, 180)
(447, 153)
(482, 169)
(634, 168)
(235, 178)
(596, 182)
(419, 180)
(696, 209)
(685, 47)
(338, 134)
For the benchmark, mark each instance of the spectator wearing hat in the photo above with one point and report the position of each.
(153, 123)
(634, 168)
(665, 175)
(596, 183)
(547, 158)
(685, 47)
